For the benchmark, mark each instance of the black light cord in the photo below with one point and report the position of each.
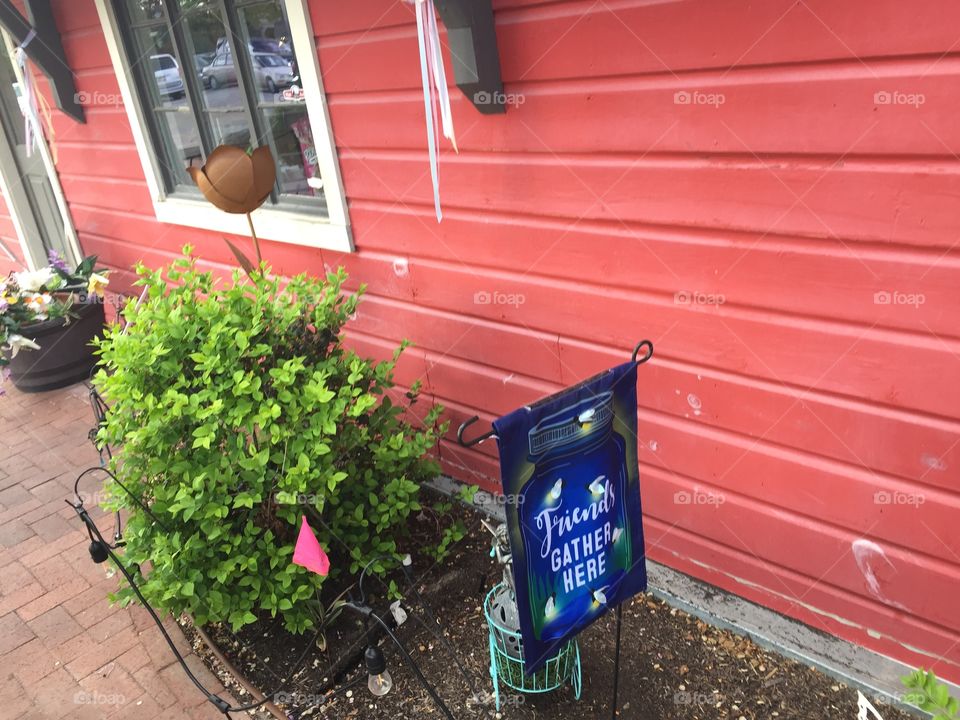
(326, 698)
(368, 613)
(99, 408)
(92, 529)
(222, 705)
(421, 601)
(438, 636)
(137, 500)
(97, 538)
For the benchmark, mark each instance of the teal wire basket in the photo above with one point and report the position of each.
(506, 653)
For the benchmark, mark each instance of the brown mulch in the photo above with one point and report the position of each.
(674, 666)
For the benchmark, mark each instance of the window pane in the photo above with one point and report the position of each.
(162, 73)
(181, 144)
(206, 36)
(197, 95)
(279, 101)
(145, 10)
(229, 128)
(160, 83)
(291, 142)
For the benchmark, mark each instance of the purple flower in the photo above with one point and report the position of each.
(56, 261)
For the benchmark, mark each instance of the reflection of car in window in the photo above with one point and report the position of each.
(271, 71)
(201, 60)
(261, 44)
(166, 73)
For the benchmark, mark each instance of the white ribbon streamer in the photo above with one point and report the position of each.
(440, 79)
(28, 104)
(435, 91)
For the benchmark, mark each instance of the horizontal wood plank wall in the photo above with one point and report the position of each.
(767, 191)
(11, 254)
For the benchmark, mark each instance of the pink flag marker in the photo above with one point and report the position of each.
(308, 553)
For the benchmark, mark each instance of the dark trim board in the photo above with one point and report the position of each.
(45, 49)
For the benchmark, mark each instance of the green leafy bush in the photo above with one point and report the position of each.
(235, 410)
(930, 695)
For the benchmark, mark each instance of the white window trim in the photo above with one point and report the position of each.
(301, 228)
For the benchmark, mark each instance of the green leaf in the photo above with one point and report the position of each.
(243, 500)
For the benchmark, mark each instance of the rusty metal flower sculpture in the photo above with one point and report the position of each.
(237, 181)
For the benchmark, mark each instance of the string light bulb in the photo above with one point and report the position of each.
(586, 418)
(597, 487)
(599, 597)
(550, 607)
(556, 489)
(379, 682)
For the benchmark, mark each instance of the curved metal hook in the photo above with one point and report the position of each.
(477, 440)
(647, 356)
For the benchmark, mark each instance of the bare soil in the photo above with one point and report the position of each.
(673, 665)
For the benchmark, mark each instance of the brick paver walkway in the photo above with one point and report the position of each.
(66, 652)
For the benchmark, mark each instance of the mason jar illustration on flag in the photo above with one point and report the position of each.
(569, 472)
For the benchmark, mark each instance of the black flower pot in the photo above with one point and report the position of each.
(66, 353)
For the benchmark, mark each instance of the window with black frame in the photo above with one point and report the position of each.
(212, 72)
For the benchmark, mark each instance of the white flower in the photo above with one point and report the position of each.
(39, 303)
(33, 280)
(15, 342)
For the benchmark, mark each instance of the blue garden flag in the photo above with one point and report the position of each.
(569, 470)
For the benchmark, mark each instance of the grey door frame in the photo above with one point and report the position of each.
(20, 207)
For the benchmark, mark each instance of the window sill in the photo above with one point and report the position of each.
(299, 228)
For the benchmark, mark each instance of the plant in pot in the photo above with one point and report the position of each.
(48, 320)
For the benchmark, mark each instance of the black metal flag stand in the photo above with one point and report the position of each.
(616, 665)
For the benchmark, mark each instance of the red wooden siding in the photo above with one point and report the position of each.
(10, 241)
(789, 412)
